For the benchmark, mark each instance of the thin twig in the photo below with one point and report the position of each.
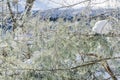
(108, 69)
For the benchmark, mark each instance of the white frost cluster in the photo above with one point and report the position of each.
(102, 27)
(36, 55)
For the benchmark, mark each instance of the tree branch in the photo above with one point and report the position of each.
(107, 68)
(104, 64)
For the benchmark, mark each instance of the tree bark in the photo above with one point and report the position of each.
(28, 6)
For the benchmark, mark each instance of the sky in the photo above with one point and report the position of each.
(49, 4)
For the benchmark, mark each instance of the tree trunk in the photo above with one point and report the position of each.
(28, 6)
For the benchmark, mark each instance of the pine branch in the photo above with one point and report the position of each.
(88, 63)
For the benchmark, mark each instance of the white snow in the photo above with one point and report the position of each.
(35, 56)
(102, 27)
